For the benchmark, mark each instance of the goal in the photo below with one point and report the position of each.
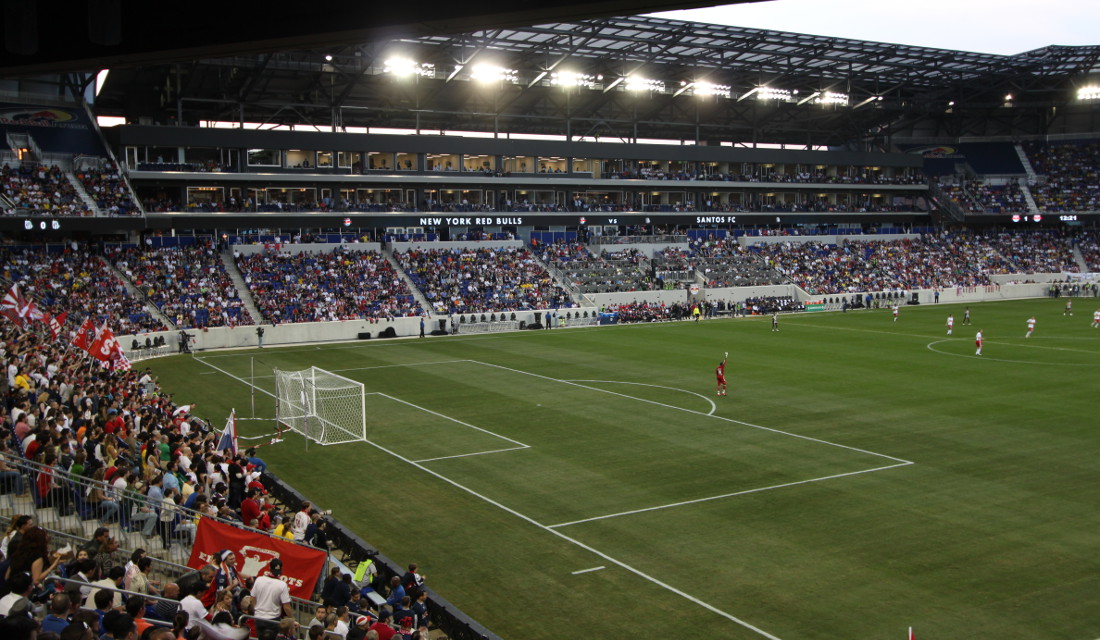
(322, 406)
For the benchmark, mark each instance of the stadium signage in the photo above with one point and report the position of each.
(715, 219)
(435, 222)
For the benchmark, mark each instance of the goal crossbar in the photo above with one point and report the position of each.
(322, 406)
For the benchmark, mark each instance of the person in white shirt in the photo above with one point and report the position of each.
(192, 606)
(301, 521)
(272, 594)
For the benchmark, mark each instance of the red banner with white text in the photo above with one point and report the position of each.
(302, 565)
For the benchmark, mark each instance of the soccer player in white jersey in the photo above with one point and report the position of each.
(895, 309)
(978, 341)
(1096, 318)
(950, 323)
(1030, 326)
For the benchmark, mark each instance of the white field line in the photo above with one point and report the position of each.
(577, 573)
(728, 495)
(238, 379)
(931, 347)
(713, 407)
(465, 424)
(698, 413)
(476, 453)
(578, 543)
(519, 444)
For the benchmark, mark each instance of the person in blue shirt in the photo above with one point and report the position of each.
(57, 619)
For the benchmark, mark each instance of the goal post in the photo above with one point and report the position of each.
(322, 406)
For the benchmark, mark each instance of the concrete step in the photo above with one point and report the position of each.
(242, 289)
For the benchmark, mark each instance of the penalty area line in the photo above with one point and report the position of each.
(465, 424)
(476, 453)
(727, 495)
(619, 563)
(577, 573)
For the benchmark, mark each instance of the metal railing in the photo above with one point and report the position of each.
(162, 571)
(67, 509)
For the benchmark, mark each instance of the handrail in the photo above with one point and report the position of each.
(128, 594)
(29, 466)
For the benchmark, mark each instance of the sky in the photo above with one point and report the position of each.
(984, 26)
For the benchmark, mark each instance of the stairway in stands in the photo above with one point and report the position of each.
(1032, 178)
(85, 197)
(153, 309)
(72, 525)
(243, 291)
(420, 299)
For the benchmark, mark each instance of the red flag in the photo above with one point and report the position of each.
(56, 323)
(85, 335)
(254, 551)
(15, 307)
(119, 361)
(103, 347)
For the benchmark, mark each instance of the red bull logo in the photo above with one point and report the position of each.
(38, 117)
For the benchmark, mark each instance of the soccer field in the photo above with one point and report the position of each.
(861, 477)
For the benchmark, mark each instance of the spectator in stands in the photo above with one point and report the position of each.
(34, 557)
(113, 580)
(191, 605)
(272, 594)
(58, 617)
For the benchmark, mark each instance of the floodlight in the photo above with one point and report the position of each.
(638, 83)
(1008, 97)
(572, 79)
(831, 97)
(771, 93)
(709, 89)
(399, 66)
(328, 57)
(1090, 92)
(493, 73)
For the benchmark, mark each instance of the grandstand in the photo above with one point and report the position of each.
(289, 197)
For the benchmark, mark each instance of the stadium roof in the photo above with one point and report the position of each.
(701, 82)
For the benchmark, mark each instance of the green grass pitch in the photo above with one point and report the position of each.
(861, 477)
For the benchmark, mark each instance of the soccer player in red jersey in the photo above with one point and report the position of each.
(720, 372)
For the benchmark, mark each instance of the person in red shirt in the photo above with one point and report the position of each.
(720, 372)
(382, 627)
(250, 509)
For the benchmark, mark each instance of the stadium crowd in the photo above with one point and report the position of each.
(190, 285)
(108, 188)
(111, 447)
(482, 279)
(39, 190)
(75, 280)
(977, 196)
(1068, 176)
(343, 284)
(932, 261)
(621, 270)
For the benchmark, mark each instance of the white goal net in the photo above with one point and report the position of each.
(322, 406)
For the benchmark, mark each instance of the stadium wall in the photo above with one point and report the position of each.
(349, 330)
(309, 332)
